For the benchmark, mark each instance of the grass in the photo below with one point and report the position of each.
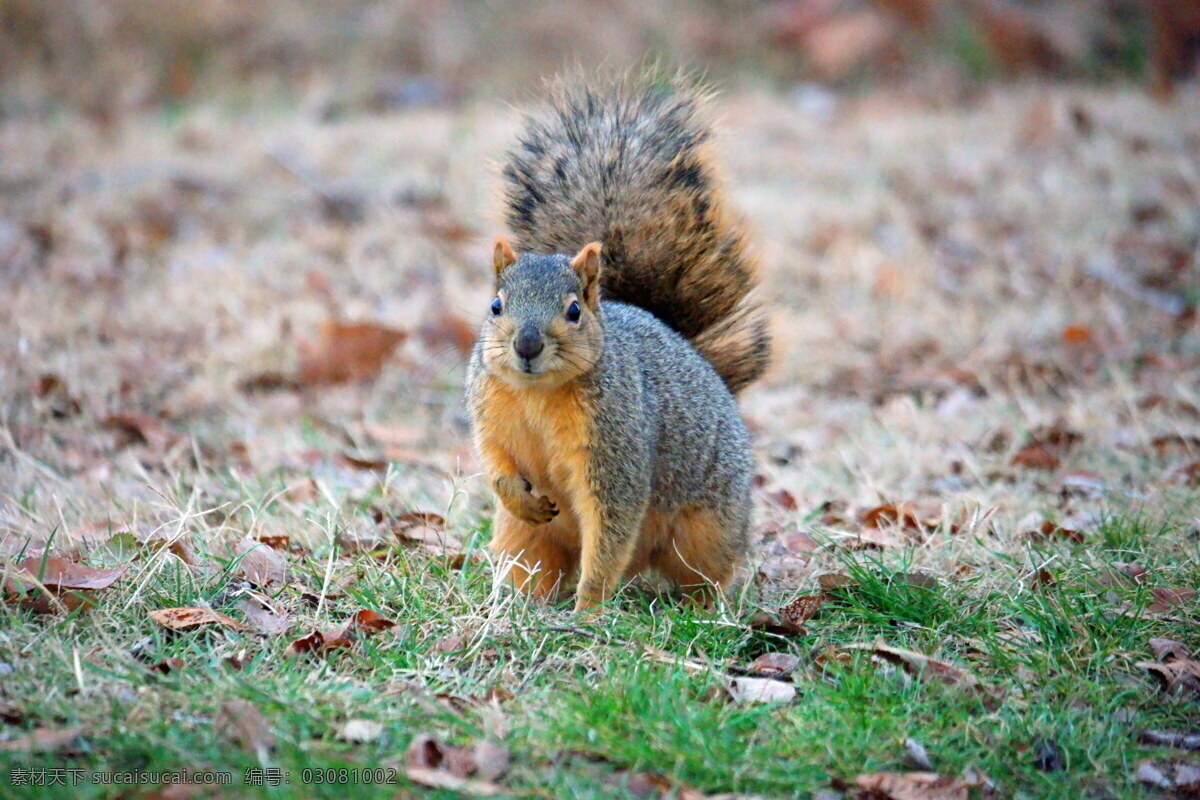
(588, 706)
(924, 260)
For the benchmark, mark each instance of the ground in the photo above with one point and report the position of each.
(979, 444)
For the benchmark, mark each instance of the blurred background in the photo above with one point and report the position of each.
(366, 56)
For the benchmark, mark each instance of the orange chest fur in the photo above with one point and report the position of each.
(545, 431)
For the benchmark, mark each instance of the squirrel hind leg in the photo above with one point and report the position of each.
(536, 564)
(700, 552)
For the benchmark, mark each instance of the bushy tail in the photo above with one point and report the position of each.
(628, 163)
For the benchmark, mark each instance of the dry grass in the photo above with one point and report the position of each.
(947, 282)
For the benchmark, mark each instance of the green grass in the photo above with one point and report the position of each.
(589, 705)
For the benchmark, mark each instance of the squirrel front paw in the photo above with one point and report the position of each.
(517, 496)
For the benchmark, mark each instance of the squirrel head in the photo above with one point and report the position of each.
(543, 327)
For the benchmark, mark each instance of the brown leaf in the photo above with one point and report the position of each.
(1036, 456)
(834, 580)
(1183, 778)
(42, 740)
(1180, 740)
(57, 574)
(801, 609)
(448, 332)
(913, 786)
(1168, 649)
(774, 665)
(168, 665)
(262, 615)
(1049, 530)
(920, 665)
(133, 428)
(343, 352)
(1166, 599)
(241, 723)
(469, 770)
(187, 617)
(1178, 676)
(262, 565)
(364, 622)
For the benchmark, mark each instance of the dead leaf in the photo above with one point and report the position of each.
(42, 740)
(834, 580)
(240, 722)
(1178, 676)
(1166, 599)
(1049, 530)
(1177, 739)
(361, 730)
(913, 786)
(920, 665)
(263, 616)
(57, 574)
(1181, 777)
(364, 622)
(1168, 649)
(448, 332)
(1036, 456)
(774, 665)
(760, 690)
(168, 665)
(187, 617)
(258, 563)
(801, 609)
(470, 770)
(343, 352)
(133, 428)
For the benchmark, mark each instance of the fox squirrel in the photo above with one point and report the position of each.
(601, 389)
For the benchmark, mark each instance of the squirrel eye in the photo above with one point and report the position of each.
(573, 311)
(497, 307)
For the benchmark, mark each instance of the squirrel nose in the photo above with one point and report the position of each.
(529, 344)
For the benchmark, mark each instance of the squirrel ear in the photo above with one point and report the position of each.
(587, 266)
(502, 256)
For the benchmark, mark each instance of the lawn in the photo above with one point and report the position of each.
(230, 364)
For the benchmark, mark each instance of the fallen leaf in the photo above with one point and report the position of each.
(42, 740)
(1049, 530)
(774, 665)
(1166, 599)
(133, 428)
(240, 722)
(447, 331)
(1177, 739)
(1178, 676)
(263, 616)
(58, 574)
(470, 770)
(343, 352)
(801, 610)
(1183, 778)
(361, 730)
(187, 617)
(363, 622)
(262, 565)
(1168, 649)
(913, 786)
(168, 665)
(760, 690)
(1036, 456)
(920, 665)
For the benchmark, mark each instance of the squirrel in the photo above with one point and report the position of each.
(601, 388)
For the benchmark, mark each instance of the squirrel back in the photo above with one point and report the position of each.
(628, 163)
